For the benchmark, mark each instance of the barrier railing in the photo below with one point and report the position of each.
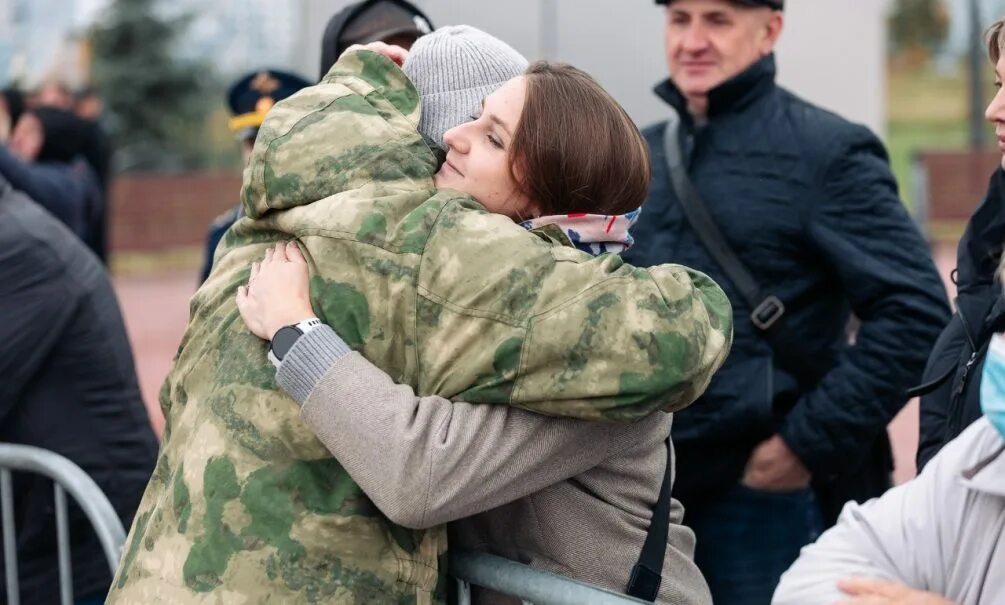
(466, 568)
(66, 477)
(523, 582)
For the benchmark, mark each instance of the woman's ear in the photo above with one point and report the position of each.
(533, 209)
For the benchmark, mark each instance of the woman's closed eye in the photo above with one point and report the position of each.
(495, 141)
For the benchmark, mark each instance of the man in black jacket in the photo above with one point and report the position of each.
(67, 384)
(807, 202)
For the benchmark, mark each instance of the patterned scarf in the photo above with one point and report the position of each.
(594, 234)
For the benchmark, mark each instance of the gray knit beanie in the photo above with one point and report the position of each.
(454, 68)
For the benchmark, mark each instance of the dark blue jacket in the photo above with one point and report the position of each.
(957, 361)
(216, 233)
(808, 202)
(67, 384)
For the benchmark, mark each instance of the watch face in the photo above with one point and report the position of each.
(283, 341)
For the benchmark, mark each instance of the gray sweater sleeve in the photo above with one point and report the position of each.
(425, 461)
(307, 361)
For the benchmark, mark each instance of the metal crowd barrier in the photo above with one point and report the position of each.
(466, 568)
(523, 582)
(66, 477)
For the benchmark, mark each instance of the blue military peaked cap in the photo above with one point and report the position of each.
(251, 97)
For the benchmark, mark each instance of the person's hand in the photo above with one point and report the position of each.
(278, 293)
(773, 467)
(392, 52)
(871, 591)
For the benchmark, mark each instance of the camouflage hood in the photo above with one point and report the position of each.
(246, 505)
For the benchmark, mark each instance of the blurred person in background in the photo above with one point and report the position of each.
(95, 147)
(68, 385)
(949, 390)
(44, 160)
(88, 105)
(98, 148)
(795, 212)
(936, 540)
(395, 22)
(249, 99)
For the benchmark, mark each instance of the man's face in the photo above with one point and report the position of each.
(52, 94)
(711, 41)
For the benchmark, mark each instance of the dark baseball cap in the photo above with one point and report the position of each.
(774, 4)
(382, 20)
(371, 21)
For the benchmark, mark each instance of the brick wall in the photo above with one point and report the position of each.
(954, 183)
(158, 212)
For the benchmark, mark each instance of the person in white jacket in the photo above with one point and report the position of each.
(937, 539)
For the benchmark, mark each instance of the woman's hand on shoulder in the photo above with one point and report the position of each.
(278, 292)
(392, 52)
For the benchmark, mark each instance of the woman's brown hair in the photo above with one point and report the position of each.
(575, 149)
(995, 40)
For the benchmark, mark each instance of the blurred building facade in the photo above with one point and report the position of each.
(830, 54)
(240, 35)
(46, 39)
(833, 52)
(36, 40)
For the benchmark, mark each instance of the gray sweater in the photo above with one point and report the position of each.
(562, 495)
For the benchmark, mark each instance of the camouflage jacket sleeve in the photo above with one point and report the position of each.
(521, 320)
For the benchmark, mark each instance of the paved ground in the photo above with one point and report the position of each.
(156, 312)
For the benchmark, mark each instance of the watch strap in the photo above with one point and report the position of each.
(302, 327)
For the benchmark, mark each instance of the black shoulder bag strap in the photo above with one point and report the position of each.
(648, 572)
(768, 312)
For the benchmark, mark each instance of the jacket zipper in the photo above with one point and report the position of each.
(966, 373)
(952, 427)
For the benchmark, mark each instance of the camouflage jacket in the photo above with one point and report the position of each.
(246, 506)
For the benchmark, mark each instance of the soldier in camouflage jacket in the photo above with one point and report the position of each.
(246, 505)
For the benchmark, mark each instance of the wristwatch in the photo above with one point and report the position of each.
(286, 336)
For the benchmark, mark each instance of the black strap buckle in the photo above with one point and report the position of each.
(644, 584)
(767, 313)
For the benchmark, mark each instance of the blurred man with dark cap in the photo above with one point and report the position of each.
(396, 22)
(250, 98)
(795, 213)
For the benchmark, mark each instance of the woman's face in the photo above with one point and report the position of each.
(478, 160)
(996, 110)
